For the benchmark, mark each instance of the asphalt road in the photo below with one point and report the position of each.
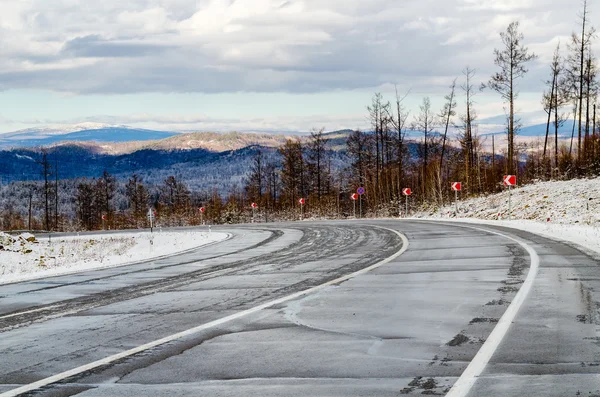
(269, 313)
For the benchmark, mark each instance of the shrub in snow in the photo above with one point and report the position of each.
(27, 237)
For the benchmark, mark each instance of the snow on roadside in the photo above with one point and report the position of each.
(24, 257)
(562, 210)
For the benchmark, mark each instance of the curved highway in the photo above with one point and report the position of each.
(364, 308)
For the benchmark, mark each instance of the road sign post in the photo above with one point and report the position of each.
(254, 207)
(360, 191)
(202, 209)
(456, 202)
(406, 192)
(302, 202)
(151, 215)
(103, 219)
(510, 180)
(354, 197)
(456, 186)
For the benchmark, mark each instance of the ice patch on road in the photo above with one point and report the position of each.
(294, 308)
(24, 257)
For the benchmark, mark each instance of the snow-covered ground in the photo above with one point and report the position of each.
(24, 257)
(563, 210)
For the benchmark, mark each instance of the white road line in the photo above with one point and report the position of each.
(468, 378)
(76, 371)
(29, 311)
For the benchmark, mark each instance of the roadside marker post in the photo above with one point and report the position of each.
(457, 187)
(302, 201)
(254, 207)
(354, 197)
(103, 219)
(360, 191)
(510, 180)
(151, 215)
(202, 209)
(406, 192)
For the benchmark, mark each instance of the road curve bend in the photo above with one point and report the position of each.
(374, 307)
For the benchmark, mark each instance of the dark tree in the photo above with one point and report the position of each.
(317, 162)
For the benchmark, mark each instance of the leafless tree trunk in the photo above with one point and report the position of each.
(55, 189)
(511, 60)
(46, 173)
(447, 113)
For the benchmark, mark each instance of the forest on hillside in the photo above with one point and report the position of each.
(382, 160)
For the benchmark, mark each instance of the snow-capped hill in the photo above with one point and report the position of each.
(576, 201)
(82, 132)
(562, 210)
(218, 142)
(39, 132)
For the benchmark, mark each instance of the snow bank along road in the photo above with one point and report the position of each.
(243, 317)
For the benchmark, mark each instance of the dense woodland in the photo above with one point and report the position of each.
(382, 160)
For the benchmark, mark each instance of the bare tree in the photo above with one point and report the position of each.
(549, 97)
(575, 101)
(511, 60)
(256, 180)
(468, 119)
(317, 161)
(56, 188)
(357, 146)
(292, 170)
(447, 113)
(379, 112)
(46, 173)
(399, 120)
(576, 61)
(105, 190)
(138, 197)
(425, 123)
(591, 92)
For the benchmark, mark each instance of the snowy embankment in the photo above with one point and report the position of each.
(25, 257)
(563, 210)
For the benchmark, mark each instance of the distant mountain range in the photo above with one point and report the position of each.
(84, 132)
(204, 159)
(113, 137)
(539, 130)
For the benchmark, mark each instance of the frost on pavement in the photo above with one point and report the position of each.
(25, 256)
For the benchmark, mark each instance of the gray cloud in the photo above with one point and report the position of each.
(213, 46)
(94, 46)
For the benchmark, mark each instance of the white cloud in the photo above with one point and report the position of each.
(212, 46)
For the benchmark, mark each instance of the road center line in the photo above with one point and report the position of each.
(470, 375)
(88, 367)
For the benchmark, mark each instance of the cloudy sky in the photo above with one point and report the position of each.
(275, 65)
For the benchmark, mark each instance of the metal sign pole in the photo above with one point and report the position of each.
(509, 203)
(406, 216)
(301, 211)
(354, 205)
(360, 205)
(456, 201)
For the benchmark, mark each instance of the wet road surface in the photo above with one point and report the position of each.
(408, 327)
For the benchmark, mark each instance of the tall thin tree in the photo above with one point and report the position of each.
(447, 113)
(511, 60)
